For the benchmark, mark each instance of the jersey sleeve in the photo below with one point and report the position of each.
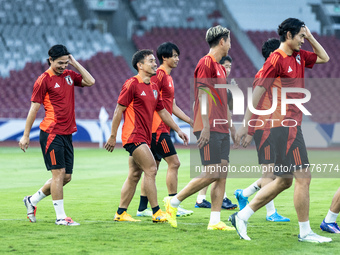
(269, 73)
(204, 75)
(76, 77)
(39, 89)
(127, 93)
(159, 105)
(309, 58)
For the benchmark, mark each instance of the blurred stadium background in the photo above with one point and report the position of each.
(104, 34)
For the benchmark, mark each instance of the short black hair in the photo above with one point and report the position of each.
(214, 35)
(292, 25)
(226, 58)
(57, 51)
(270, 46)
(139, 57)
(165, 50)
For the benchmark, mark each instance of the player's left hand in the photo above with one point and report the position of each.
(247, 141)
(184, 137)
(233, 134)
(240, 135)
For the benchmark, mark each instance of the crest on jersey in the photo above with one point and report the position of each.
(69, 80)
(298, 59)
(155, 93)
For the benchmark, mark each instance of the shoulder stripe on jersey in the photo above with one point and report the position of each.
(128, 83)
(207, 62)
(160, 76)
(274, 60)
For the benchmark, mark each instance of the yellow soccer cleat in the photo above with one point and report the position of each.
(220, 226)
(170, 212)
(159, 216)
(124, 217)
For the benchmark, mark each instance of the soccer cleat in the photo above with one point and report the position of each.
(242, 201)
(204, 204)
(159, 216)
(170, 212)
(277, 218)
(240, 226)
(181, 212)
(146, 213)
(220, 226)
(330, 227)
(314, 238)
(66, 222)
(227, 204)
(31, 209)
(124, 217)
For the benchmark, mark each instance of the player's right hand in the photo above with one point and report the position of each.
(110, 144)
(24, 142)
(204, 138)
(247, 141)
(240, 135)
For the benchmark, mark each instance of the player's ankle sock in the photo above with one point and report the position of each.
(304, 228)
(143, 203)
(121, 210)
(215, 217)
(225, 195)
(200, 198)
(331, 217)
(36, 197)
(59, 208)
(251, 190)
(155, 209)
(270, 208)
(245, 213)
(172, 195)
(174, 202)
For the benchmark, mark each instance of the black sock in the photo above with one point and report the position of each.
(155, 209)
(121, 210)
(143, 203)
(172, 195)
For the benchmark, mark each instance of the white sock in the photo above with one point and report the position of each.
(200, 198)
(174, 202)
(59, 209)
(39, 195)
(215, 217)
(331, 217)
(251, 190)
(270, 208)
(304, 228)
(245, 213)
(225, 195)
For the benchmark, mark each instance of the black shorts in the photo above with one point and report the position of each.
(130, 147)
(57, 151)
(217, 149)
(290, 149)
(264, 147)
(163, 148)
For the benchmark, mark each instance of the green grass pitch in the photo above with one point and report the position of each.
(93, 196)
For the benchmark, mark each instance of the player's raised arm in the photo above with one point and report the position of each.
(117, 117)
(88, 80)
(317, 48)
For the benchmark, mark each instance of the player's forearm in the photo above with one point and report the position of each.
(167, 119)
(257, 94)
(31, 118)
(87, 77)
(318, 50)
(180, 114)
(116, 119)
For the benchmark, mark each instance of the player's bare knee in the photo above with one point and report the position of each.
(284, 183)
(67, 178)
(175, 164)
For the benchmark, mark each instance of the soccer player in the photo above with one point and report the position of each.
(201, 201)
(55, 90)
(213, 141)
(138, 100)
(288, 62)
(264, 145)
(329, 224)
(161, 144)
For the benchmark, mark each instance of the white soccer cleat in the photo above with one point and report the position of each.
(181, 212)
(31, 209)
(314, 238)
(146, 213)
(66, 222)
(240, 226)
